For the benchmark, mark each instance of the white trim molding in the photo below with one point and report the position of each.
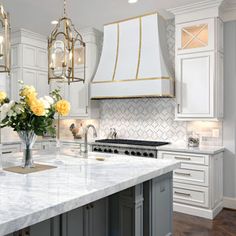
(197, 11)
(229, 202)
(229, 11)
(197, 211)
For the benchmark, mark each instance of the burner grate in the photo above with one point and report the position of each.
(132, 142)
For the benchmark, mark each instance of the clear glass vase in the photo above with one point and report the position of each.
(28, 139)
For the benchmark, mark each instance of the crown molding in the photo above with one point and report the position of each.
(196, 6)
(196, 11)
(229, 11)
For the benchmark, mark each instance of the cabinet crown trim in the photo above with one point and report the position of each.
(196, 7)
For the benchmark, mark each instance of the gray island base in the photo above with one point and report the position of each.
(121, 196)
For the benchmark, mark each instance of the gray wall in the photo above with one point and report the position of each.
(229, 125)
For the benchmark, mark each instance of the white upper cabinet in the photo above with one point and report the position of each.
(29, 56)
(35, 58)
(199, 61)
(29, 62)
(195, 84)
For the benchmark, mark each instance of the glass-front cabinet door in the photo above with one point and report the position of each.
(195, 36)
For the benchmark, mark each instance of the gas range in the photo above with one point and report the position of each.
(130, 147)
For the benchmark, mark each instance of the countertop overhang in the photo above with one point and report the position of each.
(29, 199)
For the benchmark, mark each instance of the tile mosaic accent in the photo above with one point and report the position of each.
(151, 118)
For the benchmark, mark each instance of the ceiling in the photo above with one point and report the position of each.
(36, 15)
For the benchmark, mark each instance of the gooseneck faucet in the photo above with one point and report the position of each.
(85, 149)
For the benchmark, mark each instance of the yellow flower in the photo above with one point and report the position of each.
(37, 107)
(3, 96)
(62, 107)
(28, 92)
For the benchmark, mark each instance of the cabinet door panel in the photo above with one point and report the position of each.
(14, 85)
(74, 226)
(30, 77)
(42, 84)
(98, 218)
(42, 59)
(43, 228)
(195, 74)
(29, 56)
(78, 96)
(195, 36)
(14, 56)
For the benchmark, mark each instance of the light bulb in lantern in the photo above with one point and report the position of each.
(52, 65)
(1, 9)
(1, 45)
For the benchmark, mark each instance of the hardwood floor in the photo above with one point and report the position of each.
(223, 225)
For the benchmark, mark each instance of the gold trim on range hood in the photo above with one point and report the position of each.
(137, 78)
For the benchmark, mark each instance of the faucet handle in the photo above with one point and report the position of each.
(110, 134)
(114, 134)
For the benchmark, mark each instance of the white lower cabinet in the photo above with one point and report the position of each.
(198, 184)
(190, 194)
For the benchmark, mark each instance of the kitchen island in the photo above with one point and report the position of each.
(118, 196)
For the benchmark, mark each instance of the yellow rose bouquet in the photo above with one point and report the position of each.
(31, 115)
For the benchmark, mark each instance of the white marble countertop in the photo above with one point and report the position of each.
(29, 199)
(209, 150)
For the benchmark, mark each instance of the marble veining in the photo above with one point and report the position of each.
(29, 199)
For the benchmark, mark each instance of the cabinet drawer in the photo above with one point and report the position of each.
(192, 195)
(192, 174)
(186, 157)
(37, 146)
(48, 145)
(8, 149)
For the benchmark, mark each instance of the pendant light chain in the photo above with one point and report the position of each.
(64, 8)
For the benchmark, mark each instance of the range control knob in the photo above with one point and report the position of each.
(151, 155)
(105, 150)
(126, 152)
(95, 149)
(109, 150)
(116, 151)
(139, 154)
(99, 149)
(145, 154)
(133, 153)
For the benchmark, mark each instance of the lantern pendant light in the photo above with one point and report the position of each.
(66, 53)
(5, 45)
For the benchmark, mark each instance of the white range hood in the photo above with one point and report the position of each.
(134, 61)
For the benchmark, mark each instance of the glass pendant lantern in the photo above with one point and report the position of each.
(66, 53)
(5, 46)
